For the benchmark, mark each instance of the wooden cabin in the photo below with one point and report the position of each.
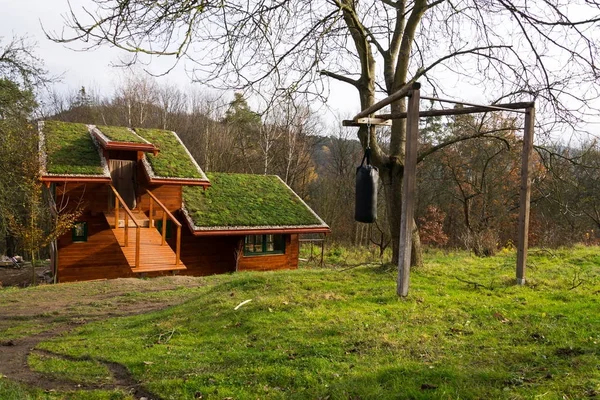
(146, 208)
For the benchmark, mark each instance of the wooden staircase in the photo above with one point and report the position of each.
(153, 255)
(143, 246)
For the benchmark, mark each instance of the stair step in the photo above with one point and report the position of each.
(140, 217)
(156, 268)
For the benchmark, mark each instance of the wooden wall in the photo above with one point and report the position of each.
(169, 195)
(91, 197)
(207, 255)
(289, 260)
(98, 258)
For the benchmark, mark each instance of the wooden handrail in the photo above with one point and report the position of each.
(128, 214)
(166, 213)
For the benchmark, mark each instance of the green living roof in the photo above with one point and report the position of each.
(120, 134)
(246, 201)
(173, 161)
(70, 150)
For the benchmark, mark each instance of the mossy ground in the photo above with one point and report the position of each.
(465, 331)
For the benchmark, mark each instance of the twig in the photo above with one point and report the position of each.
(475, 284)
(355, 266)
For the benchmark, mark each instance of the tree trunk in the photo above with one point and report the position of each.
(392, 184)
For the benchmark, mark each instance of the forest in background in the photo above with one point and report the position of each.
(467, 192)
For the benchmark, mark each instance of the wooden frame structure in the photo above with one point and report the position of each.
(412, 115)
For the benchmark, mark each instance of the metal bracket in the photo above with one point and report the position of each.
(374, 121)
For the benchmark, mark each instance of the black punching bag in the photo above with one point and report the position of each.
(365, 206)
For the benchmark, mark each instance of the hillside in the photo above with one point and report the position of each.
(464, 332)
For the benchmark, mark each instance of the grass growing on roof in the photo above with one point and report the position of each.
(70, 149)
(119, 134)
(172, 161)
(245, 200)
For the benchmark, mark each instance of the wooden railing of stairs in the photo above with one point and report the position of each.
(151, 253)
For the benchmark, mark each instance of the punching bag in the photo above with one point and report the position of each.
(367, 177)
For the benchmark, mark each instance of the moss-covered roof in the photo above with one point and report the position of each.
(246, 201)
(120, 134)
(70, 150)
(173, 161)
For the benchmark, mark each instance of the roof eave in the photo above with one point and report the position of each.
(74, 178)
(130, 147)
(179, 181)
(261, 231)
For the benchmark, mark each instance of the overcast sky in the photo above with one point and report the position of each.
(94, 69)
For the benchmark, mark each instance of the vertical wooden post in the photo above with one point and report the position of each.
(126, 229)
(116, 212)
(151, 211)
(408, 191)
(178, 246)
(164, 228)
(525, 195)
(137, 247)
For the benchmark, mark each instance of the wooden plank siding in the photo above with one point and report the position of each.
(92, 197)
(289, 260)
(169, 195)
(98, 258)
(208, 255)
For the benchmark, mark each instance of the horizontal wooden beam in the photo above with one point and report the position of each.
(497, 107)
(402, 92)
(458, 111)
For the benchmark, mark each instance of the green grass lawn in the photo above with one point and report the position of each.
(465, 331)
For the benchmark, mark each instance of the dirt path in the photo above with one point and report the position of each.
(56, 309)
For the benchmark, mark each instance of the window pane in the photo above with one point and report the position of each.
(258, 243)
(80, 229)
(279, 243)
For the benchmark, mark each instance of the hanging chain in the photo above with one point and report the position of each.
(368, 132)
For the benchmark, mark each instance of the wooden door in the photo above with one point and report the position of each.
(123, 174)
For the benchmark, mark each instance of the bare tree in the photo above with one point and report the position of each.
(545, 49)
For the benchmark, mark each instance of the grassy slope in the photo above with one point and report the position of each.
(317, 333)
(119, 134)
(245, 200)
(172, 161)
(70, 149)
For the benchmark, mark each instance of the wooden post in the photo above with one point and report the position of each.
(408, 192)
(525, 195)
(164, 228)
(126, 229)
(116, 212)
(178, 246)
(151, 211)
(137, 247)
(322, 249)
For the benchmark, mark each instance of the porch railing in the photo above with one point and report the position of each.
(166, 213)
(128, 215)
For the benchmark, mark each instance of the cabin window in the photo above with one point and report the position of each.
(264, 244)
(80, 231)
